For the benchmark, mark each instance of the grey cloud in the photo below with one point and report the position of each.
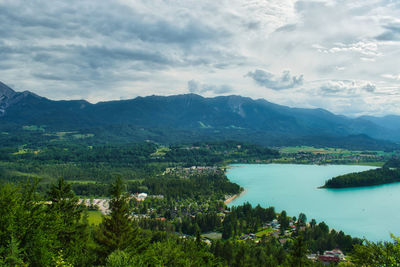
(103, 42)
(198, 88)
(47, 76)
(102, 53)
(75, 62)
(391, 33)
(308, 5)
(369, 88)
(95, 56)
(109, 19)
(253, 25)
(346, 87)
(275, 82)
(5, 66)
(331, 89)
(193, 86)
(287, 28)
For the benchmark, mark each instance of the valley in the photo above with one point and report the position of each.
(174, 184)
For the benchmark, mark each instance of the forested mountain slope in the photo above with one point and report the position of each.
(187, 117)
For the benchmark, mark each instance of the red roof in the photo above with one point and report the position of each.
(328, 258)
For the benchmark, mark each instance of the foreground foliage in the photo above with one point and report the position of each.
(378, 254)
(49, 231)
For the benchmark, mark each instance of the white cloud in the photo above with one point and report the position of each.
(391, 76)
(366, 48)
(102, 50)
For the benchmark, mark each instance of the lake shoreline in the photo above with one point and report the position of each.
(232, 198)
(297, 188)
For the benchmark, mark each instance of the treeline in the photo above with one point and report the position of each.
(214, 153)
(366, 178)
(207, 185)
(204, 186)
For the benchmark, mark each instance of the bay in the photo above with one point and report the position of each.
(370, 212)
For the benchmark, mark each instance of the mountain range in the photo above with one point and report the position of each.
(192, 117)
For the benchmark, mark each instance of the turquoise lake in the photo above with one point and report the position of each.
(371, 212)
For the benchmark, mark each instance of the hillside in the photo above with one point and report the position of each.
(390, 121)
(190, 117)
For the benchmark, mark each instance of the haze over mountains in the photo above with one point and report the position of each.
(193, 117)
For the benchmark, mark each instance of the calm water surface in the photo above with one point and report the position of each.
(371, 212)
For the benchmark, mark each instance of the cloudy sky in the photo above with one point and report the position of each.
(340, 55)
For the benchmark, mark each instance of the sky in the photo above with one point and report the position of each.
(343, 56)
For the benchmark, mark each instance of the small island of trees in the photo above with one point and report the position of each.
(389, 173)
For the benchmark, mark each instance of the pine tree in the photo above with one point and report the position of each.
(284, 222)
(13, 252)
(26, 228)
(64, 207)
(198, 235)
(117, 230)
(72, 232)
(298, 253)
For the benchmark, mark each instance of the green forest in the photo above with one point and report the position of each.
(389, 173)
(89, 168)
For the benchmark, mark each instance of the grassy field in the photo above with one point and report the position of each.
(94, 217)
(22, 151)
(82, 181)
(161, 151)
(202, 125)
(212, 235)
(73, 134)
(82, 136)
(266, 231)
(33, 128)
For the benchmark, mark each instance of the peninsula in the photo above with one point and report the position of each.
(389, 173)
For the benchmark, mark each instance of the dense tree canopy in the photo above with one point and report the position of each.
(367, 178)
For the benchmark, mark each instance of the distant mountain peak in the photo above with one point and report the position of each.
(6, 94)
(9, 97)
(5, 91)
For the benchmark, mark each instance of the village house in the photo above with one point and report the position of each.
(139, 197)
(331, 256)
